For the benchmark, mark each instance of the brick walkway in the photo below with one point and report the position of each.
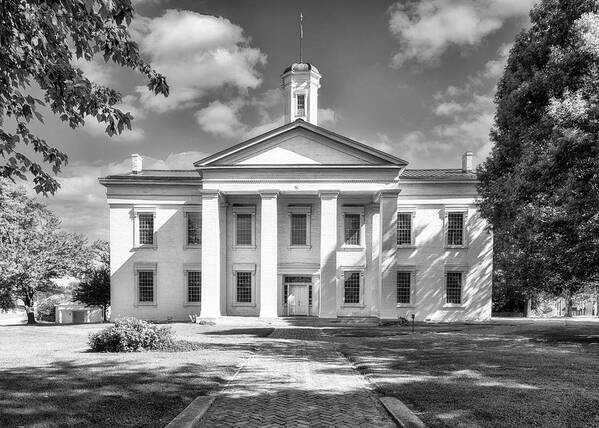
(296, 379)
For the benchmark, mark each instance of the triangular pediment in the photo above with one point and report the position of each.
(300, 143)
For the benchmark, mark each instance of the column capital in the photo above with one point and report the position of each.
(386, 193)
(211, 194)
(328, 194)
(268, 194)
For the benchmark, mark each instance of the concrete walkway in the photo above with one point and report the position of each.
(296, 379)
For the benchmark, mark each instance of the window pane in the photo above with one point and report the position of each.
(352, 287)
(404, 286)
(352, 229)
(301, 105)
(298, 229)
(194, 228)
(404, 229)
(194, 286)
(244, 229)
(309, 295)
(146, 229)
(244, 287)
(454, 287)
(146, 286)
(455, 228)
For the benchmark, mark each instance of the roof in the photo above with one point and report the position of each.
(438, 174)
(302, 66)
(173, 176)
(299, 123)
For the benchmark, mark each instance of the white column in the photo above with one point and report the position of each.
(212, 253)
(328, 253)
(268, 254)
(387, 252)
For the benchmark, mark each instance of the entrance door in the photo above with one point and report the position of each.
(297, 299)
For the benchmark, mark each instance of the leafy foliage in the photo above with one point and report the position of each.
(39, 41)
(46, 308)
(94, 288)
(131, 335)
(540, 185)
(33, 249)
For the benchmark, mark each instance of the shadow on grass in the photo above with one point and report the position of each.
(255, 332)
(111, 392)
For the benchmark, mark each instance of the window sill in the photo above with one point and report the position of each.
(195, 304)
(352, 248)
(406, 246)
(454, 306)
(146, 304)
(244, 305)
(192, 247)
(145, 247)
(244, 247)
(456, 247)
(353, 305)
(405, 306)
(299, 247)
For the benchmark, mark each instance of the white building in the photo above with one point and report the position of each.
(299, 221)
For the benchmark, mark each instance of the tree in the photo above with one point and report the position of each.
(39, 40)
(33, 250)
(540, 185)
(94, 289)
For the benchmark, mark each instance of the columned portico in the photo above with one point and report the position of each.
(387, 251)
(212, 275)
(268, 253)
(328, 253)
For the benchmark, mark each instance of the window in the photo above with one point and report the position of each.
(351, 287)
(453, 283)
(352, 229)
(301, 105)
(244, 229)
(145, 284)
(455, 228)
(404, 286)
(404, 228)
(194, 286)
(243, 287)
(310, 295)
(146, 229)
(194, 228)
(299, 229)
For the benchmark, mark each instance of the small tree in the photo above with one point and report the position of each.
(94, 289)
(33, 250)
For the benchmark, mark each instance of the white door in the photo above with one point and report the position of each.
(297, 299)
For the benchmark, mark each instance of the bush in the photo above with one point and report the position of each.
(131, 335)
(46, 309)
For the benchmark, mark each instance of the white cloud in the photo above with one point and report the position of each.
(221, 119)
(426, 29)
(198, 53)
(95, 70)
(494, 68)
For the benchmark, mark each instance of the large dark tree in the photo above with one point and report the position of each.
(39, 40)
(94, 288)
(540, 185)
(34, 251)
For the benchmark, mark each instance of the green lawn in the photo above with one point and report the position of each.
(47, 377)
(484, 375)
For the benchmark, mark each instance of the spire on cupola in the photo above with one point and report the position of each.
(301, 81)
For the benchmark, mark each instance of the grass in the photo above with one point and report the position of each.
(483, 375)
(49, 378)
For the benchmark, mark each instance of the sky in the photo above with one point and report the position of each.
(413, 78)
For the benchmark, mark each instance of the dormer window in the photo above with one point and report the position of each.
(301, 105)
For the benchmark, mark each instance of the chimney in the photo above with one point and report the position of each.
(467, 162)
(136, 163)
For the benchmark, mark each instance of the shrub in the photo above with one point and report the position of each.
(131, 335)
(46, 309)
